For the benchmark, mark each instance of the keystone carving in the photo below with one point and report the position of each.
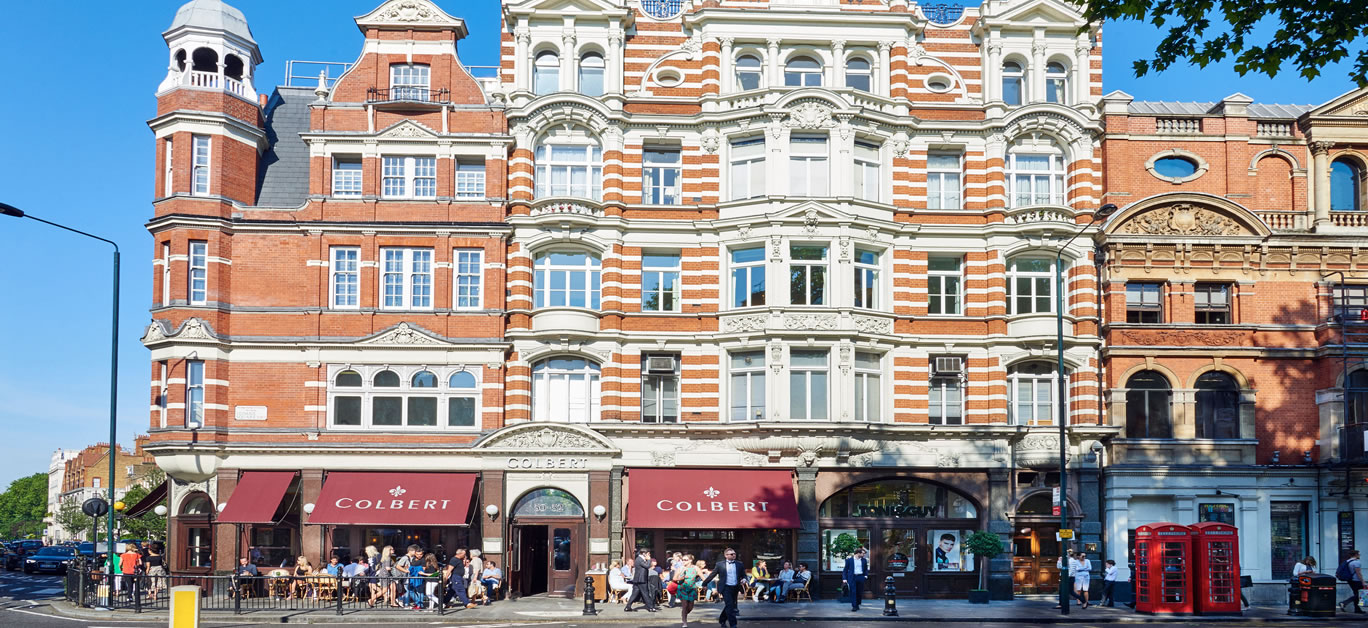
(810, 115)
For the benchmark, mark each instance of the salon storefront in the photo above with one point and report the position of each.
(914, 527)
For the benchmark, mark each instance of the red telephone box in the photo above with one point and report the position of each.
(1216, 568)
(1163, 557)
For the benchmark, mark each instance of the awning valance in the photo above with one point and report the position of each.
(147, 503)
(363, 498)
(711, 498)
(256, 497)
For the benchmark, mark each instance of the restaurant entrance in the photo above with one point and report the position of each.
(547, 543)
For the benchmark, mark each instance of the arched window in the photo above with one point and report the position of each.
(350, 379)
(1035, 177)
(1356, 394)
(1056, 83)
(570, 169)
(1033, 387)
(387, 409)
(1013, 83)
(424, 379)
(547, 502)
(1345, 188)
(232, 67)
(462, 379)
(546, 73)
(197, 504)
(803, 72)
(422, 409)
(387, 403)
(204, 60)
(1030, 285)
(567, 279)
(565, 390)
(749, 73)
(461, 403)
(1218, 406)
(180, 60)
(1148, 402)
(387, 379)
(859, 74)
(591, 74)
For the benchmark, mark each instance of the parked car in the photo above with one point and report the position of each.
(53, 559)
(28, 546)
(10, 558)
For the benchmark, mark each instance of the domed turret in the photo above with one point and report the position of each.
(211, 47)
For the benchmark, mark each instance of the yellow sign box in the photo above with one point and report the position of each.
(185, 603)
(1066, 534)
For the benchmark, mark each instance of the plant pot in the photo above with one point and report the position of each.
(978, 596)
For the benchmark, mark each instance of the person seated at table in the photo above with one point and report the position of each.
(779, 590)
(298, 580)
(245, 570)
(490, 577)
(802, 577)
(617, 582)
(759, 574)
(709, 591)
(333, 568)
(356, 575)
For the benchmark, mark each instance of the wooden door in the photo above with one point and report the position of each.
(1034, 552)
(564, 557)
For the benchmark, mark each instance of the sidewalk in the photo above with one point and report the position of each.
(535, 609)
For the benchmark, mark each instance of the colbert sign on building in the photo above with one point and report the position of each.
(350, 498)
(697, 498)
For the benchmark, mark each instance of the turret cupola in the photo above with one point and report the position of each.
(211, 48)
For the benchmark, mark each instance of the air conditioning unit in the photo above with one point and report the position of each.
(949, 366)
(660, 364)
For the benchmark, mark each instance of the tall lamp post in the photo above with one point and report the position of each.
(1062, 410)
(10, 210)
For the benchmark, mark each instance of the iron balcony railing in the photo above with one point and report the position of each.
(408, 94)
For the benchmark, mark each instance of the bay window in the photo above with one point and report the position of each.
(194, 394)
(809, 172)
(867, 179)
(660, 282)
(1030, 283)
(807, 274)
(567, 279)
(1032, 388)
(1035, 179)
(868, 389)
(569, 170)
(565, 390)
(944, 279)
(866, 278)
(748, 277)
(747, 168)
(943, 181)
(660, 176)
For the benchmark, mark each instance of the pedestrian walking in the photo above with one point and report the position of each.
(686, 587)
(1109, 584)
(1082, 577)
(729, 574)
(642, 590)
(1351, 571)
(854, 575)
(456, 578)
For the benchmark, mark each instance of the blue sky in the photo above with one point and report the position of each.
(78, 151)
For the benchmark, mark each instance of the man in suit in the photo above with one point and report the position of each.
(729, 573)
(642, 590)
(854, 574)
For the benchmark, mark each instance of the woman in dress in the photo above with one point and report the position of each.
(687, 591)
(383, 586)
(298, 581)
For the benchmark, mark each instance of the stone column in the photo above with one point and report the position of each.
(492, 530)
(616, 513)
(838, 63)
(774, 77)
(885, 74)
(1082, 91)
(613, 74)
(809, 543)
(522, 62)
(1000, 566)
(992, 75)
(725, 76)
(1036, 80)
(1320, 163)
(311, 537)
(569, 62)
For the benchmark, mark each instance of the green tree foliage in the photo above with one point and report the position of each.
(1259, 36)
(23, 505)
(984, 546)
(75, 522)
(148, 526)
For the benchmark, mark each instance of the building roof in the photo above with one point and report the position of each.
(284, 179)
(212, 14)
(1258, 110)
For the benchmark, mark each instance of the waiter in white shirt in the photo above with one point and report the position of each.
(729, 574)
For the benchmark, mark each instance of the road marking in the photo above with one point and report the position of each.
(20, 610)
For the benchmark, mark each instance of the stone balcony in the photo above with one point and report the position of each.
(828, 320)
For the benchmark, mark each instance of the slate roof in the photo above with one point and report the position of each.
(212, 14)
(1164, 107)
(284, 172)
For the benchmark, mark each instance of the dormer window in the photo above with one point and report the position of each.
(410, 81)
(803, 72)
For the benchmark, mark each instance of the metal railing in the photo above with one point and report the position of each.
(1351, 441)
(305, 73)
(408, 94)
(142, 593)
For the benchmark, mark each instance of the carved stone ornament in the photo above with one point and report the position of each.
(744, 231)
(776, 358)
(810, 115)
(190, 329)
(662, 458)
(873, 324)
(711, 140)
(1181, 220)
(845, 249)
(693, 46)
(408, 128)
(808, 449)
(1165, 338)
(404, 334)
(810, 220)
(534, 439)
(810, 321)
(1039, 451)
(776, 247)
(747, 323)
(900, 144)
(565, 208)
(407, 12)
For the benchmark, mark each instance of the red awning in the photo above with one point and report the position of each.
(711, 498)
(256, 497)
(147, 503)
(429, 499)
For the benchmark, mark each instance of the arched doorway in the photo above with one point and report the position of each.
(1035, 543)
(193, 538)
(547, 543)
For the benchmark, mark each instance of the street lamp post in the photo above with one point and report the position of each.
(1062, 411)
(10, 210)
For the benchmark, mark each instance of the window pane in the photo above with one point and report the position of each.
(387, 411)
(461, 412)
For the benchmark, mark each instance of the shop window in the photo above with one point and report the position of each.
(1148, 401)
(1031, 283)
(866, 278)
(565, 390)
(1211, 303)
(1287, 536)
(1346, 179)
(807, 274)
(548, 502)
(948, 551)
(747, 385)
(808, 375)
(398, 538)
(199, 547)
(272, 546)
(1218, 513)
(1144, 302)
(899, 551)
(900, 499)
(840, 544)
(1218, 406)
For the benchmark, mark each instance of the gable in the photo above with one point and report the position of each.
(1042, 12)
(573, 7)
(411, 15)
(1354, 103)
(1186, 215)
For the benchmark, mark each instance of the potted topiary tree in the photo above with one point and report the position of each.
(984, 545)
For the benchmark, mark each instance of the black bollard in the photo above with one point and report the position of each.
(589, 596)
(890, 598)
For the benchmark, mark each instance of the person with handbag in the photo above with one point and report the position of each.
(686, 587)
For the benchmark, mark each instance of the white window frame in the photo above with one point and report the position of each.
(467, 279)
(809, 165)
(95, 482)
(661, 396)
(168, 180)
(940, 177)
(470, 178)
(163, 391)
(549, 70)
(414, 278)
(868, 388)
(543, 294)
(548, 406)
(1019, 76)
(344, 278)
(746, 168)
(1053, 178)
(1015, 275)
(410, 81)
(810, 269)
(403, 175)
(194, 394)
(868, 174)
(866, 279)
(749, 269)
(804, 377)
(346, 182)
(366, 393)
(867, 74)
(591, 68)
(166, 274)
(937, 403)
(947, 284)
(202, 159)
(549, 164)
(1057, 83)
(751, 375)
(664, 276)
(804, 77)
(655, 189)
(1014, 378)
(197, 277)
(758, 72)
